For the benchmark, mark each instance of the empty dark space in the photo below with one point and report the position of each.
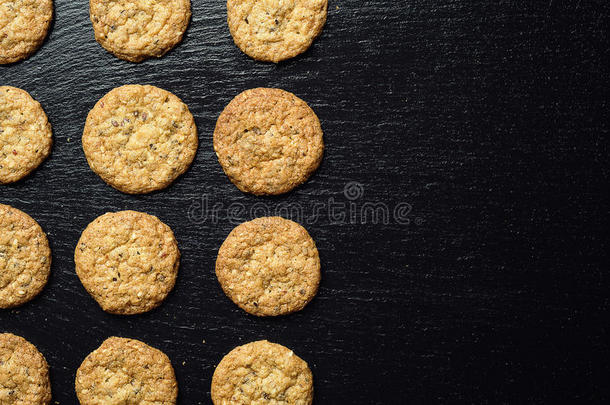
(461, 210)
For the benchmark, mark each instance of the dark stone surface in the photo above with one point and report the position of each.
(485, 123)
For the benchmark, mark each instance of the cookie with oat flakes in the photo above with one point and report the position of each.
(261, 373)
(275, 30)
(25, 257)
(24, 373)
(136, 30)
(24, 25)
(126, 371)
(25, 134)
(128, 261)
(269, 266)
(268, 141)
(140, 138)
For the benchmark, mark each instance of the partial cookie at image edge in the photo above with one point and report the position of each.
(28, 251)
(24, 370)
(262, 371)
(33, 144)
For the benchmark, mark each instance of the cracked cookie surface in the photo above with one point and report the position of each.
(25, 257)
(269, 266)
(136, 30)
(275, 30)
(128, 261)
(24, 373)
(23, 27)
(140, 138)
(25, 134)
(268, 141)
(126, 371)
(260, 373)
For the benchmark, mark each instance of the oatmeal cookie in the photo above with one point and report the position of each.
(24, 373)
(25, 257)
(269, 266)
(126, 371)
(275, 30)
(24, 25)
(136, 30)
(268, 141)
(140, 138)
(25, 134)
(261, 373)
(128, 261)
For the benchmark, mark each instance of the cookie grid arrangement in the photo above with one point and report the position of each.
(139, 139)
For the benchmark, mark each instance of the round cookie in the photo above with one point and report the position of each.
(268, 141)
(128, 261)
(24, 373)
(269, 266)
(136, 30)
(25, 134)
(262, 373)
(23, 27)
(140, 138)
(126, 371)
(25, 257)
(275, 30)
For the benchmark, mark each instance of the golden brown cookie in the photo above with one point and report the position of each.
(268, 141)
(128, 261)
(140, 138)
(24, 373)
(269, 266)
(275, 30)
(25, 134)
(135, 30)
(261, 373)
(23, 27)
(126, 371)
(25, 257)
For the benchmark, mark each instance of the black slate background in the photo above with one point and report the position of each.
(488, 118)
